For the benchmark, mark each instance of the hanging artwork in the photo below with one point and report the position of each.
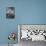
(12, 38)
(32, 32)
(10, 12)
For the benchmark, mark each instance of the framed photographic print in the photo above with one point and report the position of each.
(10, 12)
(32, 32)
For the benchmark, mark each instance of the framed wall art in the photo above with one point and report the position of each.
(10, 12)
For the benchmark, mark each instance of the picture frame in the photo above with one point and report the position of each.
(10, 12)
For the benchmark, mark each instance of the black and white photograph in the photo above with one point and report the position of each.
(31, 34)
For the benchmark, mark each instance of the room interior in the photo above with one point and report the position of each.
(26, 12)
